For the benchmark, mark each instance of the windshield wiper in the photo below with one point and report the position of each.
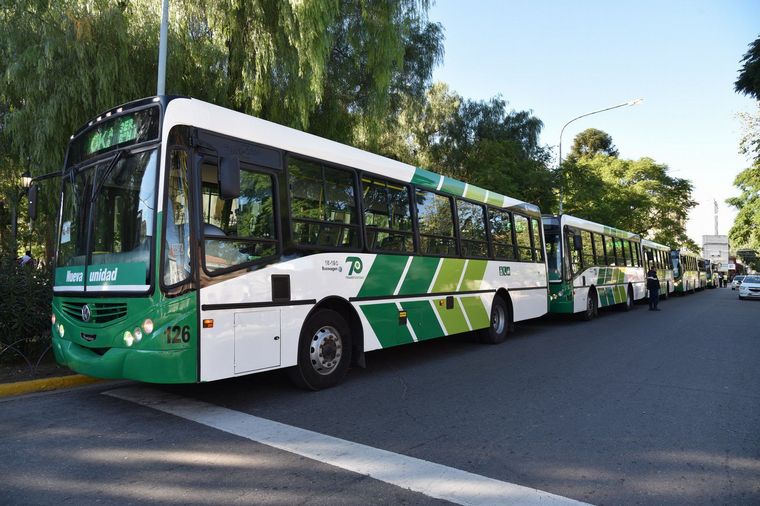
(106, 173)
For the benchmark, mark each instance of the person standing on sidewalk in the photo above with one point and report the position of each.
(653, 285)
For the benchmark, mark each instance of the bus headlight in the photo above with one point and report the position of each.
(52, 318)
(138, 334)
(60, 329)
(148, 326)
(129, 339)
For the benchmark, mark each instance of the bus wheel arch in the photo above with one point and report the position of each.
(325, 346)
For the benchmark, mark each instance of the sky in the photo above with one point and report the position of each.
(561, 59)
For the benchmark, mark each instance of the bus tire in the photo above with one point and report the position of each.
(666, 294)
(592, 306)
(324, 351)
(628, 304)
(498, 329)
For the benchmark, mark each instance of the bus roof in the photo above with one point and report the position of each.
(193, 112)
(566, 219)
(654, 245)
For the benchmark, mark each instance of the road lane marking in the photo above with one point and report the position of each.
(433, 480)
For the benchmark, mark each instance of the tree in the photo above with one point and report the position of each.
(340, 68)
(483, 143)
(748, 82)
(635, 195)
(591, 142)
(745, 232)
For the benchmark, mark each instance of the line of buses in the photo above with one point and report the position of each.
(196, 243)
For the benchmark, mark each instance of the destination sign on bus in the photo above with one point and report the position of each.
(119, 131)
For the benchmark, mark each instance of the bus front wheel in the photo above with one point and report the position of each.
(498, 330)
(592, 306)
(324, 351)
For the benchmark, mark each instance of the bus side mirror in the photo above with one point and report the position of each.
(577, 243)
(229, 177)
(33, 202)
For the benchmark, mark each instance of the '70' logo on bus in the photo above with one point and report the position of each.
(355, 266)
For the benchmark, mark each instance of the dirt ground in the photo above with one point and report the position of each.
(20, 371)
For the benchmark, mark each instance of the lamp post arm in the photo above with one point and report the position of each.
(562, 131)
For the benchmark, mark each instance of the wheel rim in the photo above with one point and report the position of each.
(498, 319)
(591, 306)
(628, 299)
(326, 350)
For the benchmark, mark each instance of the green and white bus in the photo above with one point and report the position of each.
(197, 243)
(658, 256)
(688, 272)
(591, 266)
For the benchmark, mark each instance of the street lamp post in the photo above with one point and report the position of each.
(26, 182)
(559, 158)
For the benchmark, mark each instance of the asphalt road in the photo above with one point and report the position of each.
(632, 408)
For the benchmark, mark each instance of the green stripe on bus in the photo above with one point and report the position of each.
(383, 276)
(453, 319)
(473, 275)
(422, 318)
(384, 320)
(448, 275)
(425, 178)
(495, 199)
(476, 193)
(476, 312)
(453, 186)
(419, 276)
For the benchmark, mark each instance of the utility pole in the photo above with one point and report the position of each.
(715, 204)
(161, 87)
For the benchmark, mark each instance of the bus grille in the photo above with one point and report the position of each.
(102, 312)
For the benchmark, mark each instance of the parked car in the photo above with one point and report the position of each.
(750, 288)
(736, 283)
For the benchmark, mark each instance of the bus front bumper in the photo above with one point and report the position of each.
(152, 366)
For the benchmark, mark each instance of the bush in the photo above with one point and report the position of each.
(25, 305)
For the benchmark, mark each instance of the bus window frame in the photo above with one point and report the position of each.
(303, 247)
(513, 244)
(486, 226)
(412, 214)
(255, 169)
(418, 233)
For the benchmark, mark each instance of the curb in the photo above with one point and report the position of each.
(45, 384)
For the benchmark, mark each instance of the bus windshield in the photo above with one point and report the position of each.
(115, 199)
(553, 255)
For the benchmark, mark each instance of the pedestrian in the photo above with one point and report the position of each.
(26, 259)
(720, 280)
(653, 285)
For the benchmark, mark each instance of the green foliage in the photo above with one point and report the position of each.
(748, 82)
(635, 195)
(745, 233)
(25, 312)
(591, 142)
(480, 142)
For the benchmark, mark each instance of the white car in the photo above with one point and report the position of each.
(750, 287)
(736, 283)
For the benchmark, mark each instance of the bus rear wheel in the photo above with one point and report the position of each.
(498, 330)
(324, 351)
(628, 304)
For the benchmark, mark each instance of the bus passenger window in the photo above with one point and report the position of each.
(538, 249)
(573, 254)
(628, 247)
(436, 224)
(588, 249)
(387, 216)
(599, 249)
(609, 245)
(472, 229)
(522, 233)
(322, 205)
(501, 234)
